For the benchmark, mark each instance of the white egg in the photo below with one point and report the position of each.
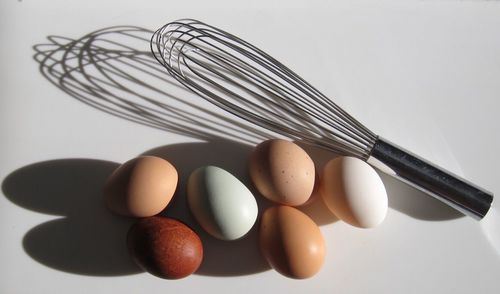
(221, 204)
(354, 192)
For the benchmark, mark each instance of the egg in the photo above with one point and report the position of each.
(165, 247)
(282, 172)
(221, 204)
(354, 192)
(141, 187)
(291, 242)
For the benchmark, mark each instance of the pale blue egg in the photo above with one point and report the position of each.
(221, 203)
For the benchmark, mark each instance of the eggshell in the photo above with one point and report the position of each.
(141, 187)
(354, 192)
(282, 172)
(165, 247)
(221, 204)
(291, 242)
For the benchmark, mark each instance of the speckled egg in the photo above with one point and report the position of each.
(282, 172)
(165, 247)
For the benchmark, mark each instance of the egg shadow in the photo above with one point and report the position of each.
(415, 203)
(315, 207)
(220, 258)
(87, 239)
(401, 196)
(225, 258)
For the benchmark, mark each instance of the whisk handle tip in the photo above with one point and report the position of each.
(460, 194)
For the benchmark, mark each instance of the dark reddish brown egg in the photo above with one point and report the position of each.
(165, 247)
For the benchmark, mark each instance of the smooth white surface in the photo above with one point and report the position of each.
(423, 74)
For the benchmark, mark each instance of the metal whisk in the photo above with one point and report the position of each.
(245, 81)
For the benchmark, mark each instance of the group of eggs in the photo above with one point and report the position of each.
(280, 170)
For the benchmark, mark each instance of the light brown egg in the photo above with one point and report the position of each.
(291, 242)
(282, 172)
(141, 187)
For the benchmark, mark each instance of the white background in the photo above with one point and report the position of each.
(424, 74)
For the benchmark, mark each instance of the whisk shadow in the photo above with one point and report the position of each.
(112, 70)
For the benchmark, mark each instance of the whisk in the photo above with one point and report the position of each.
(245, 81)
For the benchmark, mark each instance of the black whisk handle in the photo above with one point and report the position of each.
(460, 194)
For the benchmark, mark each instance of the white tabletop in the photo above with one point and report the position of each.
(423, 74)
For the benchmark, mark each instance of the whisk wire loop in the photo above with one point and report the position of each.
(217, 65)
(247, 82)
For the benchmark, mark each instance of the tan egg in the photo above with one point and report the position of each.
(141, 187)
(282, 172)
(291, 242)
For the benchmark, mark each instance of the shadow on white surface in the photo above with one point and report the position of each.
(220, 258)
(112, 70)
(415, 203)
(401, 196)
(224, 258)
(87, 239)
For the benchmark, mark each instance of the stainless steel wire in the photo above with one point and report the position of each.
(245, 81)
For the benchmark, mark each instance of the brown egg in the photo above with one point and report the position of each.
(165, 247)
(291, 242)
(141, 187)
(282, 172)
